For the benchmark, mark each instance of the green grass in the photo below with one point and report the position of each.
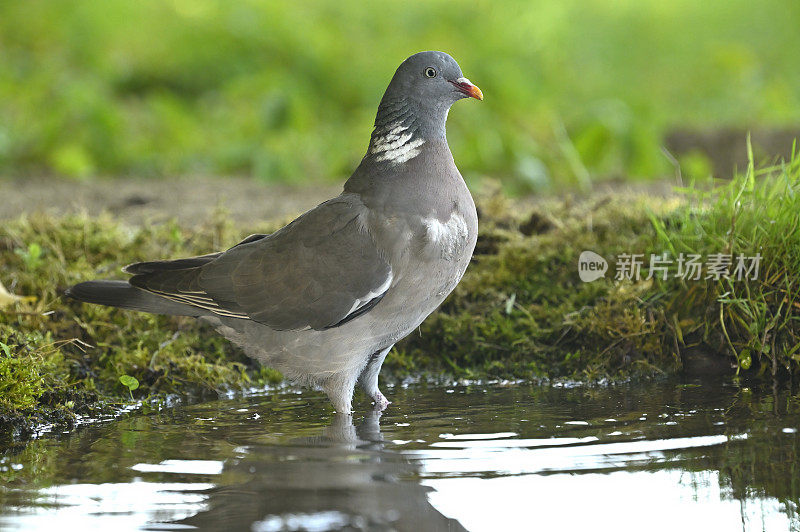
(759, 213)
(521, 310)
(575, 90)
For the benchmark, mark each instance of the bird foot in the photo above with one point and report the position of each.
(380, 400)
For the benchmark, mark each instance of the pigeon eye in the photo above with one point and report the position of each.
(430, 72)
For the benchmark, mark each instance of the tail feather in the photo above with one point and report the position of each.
(120, 294)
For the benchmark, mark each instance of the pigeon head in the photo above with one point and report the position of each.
(414, 107)
(432, 80)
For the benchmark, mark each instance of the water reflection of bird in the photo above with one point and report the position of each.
(342, 479)
(324, 299)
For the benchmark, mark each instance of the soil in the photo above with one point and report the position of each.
(189, 200)
(726, 148)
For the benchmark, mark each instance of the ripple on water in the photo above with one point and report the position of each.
(500, 457)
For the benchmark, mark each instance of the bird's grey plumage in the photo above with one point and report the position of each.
(324, 299)
(310, 274)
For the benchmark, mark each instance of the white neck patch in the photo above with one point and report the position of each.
(396, 146)
(447, 239)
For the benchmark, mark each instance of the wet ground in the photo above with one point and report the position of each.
(665, 456)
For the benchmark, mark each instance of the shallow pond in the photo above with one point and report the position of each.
(714, 456)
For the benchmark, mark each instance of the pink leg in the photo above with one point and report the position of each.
(381, 402)
(369, 379)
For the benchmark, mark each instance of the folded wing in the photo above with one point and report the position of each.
(320, 271)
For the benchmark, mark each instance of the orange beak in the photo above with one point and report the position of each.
(465, 86)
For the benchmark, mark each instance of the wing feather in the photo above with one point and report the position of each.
(320, 271)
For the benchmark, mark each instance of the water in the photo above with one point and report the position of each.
(518, 457)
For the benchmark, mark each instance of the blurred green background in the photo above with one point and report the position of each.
(576, 90)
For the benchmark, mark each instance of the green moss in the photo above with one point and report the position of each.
(55, 351)
(520, 311)
(25, 373)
